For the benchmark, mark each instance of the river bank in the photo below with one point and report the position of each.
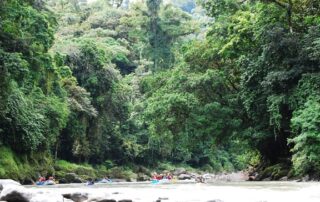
(27, 170)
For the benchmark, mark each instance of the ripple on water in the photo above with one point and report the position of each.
(225, 192)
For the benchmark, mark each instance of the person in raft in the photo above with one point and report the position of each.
(41, 179)
(154, 176)
(169, 176)
(157, 176)
(51, 178)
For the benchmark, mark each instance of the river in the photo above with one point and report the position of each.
(191, 192)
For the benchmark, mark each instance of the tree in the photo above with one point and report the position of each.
(33, 103)
(263, 51)
(154, 7)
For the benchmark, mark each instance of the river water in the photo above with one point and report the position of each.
(191, 192)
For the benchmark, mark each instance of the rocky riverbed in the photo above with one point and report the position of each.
(187, 191)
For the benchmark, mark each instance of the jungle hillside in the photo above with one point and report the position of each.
(119, 87)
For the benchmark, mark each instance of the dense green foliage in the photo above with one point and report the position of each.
(24, 167)
(116, 83)
(33, 103)
(269, 48)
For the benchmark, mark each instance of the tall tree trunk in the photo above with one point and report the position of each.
(155, 43)
(56, 150)
(288, 6)
(154, 7)
(289, 16)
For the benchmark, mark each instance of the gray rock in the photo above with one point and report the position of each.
(143, 177)
(252, 178)
(184, 177)
(305, 178)
(101, 200)
(285, 178)
(14, 193)
(179, 171)
(5, 182)
(208, 176)
(63, 181)
(72, 178)
(195, 175)
(28, 182)
(76, 197)
(267, 179)
(101, 197)
(125, 200)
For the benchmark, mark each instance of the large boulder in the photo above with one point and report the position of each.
(100, 199)
(267, 179)
(143, 177)
(15, 193)
(77, 196)
(184, 177)
(305, 178)
(72, 178)
(5, 182)
(63, 181)
(28, 181)
(179, 171)
(195, 175)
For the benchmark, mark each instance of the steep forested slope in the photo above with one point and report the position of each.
(115, 84)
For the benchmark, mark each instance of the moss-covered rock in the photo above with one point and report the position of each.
(123, 173)
(8, 165)
(143, 177)
(67, 172)
(274, 172)
(73, 178)
(23, 168)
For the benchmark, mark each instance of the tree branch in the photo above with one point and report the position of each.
(279, 3)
